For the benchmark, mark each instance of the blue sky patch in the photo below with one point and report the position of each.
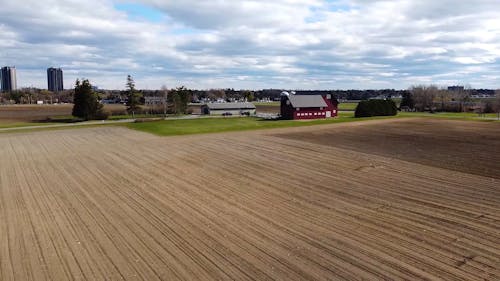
(140, 12)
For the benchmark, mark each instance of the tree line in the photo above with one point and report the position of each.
(88, 107)
(432, 98)
(33, 95)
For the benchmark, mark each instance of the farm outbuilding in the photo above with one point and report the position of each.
(233, 108)
(304, 107)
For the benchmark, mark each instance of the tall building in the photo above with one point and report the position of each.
(9, 79)
(55, 79)
(456, 88)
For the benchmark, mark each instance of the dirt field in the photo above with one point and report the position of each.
(268, 109)
(28, 113)
(35, 113)
(110, 204)
(449, 144)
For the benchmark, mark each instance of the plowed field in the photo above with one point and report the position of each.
(28, 113)
(110, 204)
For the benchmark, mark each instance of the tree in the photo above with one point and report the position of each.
(461, 96)
(178, 100)
(424, 96)
(443, 97)
(16, 96)
(369, 108)
(164, 91)
(407, 101)
(46, 96)
(134, 97)
(497, 103)
(249, 96)
(86, 104)
(215, 94)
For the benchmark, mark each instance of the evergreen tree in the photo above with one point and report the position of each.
(370, 108)
(407, 101)
(86, 104)
(178, 100)
(134, 97)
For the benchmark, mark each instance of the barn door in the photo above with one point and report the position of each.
(328, 114)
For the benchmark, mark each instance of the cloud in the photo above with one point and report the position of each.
(221, 14)
(254, 43)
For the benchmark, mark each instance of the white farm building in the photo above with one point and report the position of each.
(232, 108)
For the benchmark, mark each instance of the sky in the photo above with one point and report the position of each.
(258, 44)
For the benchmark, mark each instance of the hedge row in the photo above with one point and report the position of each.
(369, 108)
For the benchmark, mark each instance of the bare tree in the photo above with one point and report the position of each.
(497, 103)
(424, 96)
(215, 94)
(462, 96)
(164, 91)
(443, 97)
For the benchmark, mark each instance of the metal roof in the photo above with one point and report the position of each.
(305, 101)
(231, 105)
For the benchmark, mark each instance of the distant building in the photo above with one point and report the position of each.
(456, 88)
(55, 79)
(155, 100)
(300, 107)
(230, 108)
(9, 79)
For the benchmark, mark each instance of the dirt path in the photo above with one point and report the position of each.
(111, 204)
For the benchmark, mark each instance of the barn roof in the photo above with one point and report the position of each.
(305, 101)
(230, 105)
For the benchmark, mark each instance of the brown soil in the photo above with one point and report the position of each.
(268, 109)
(472, 147)
(28, 113)
(111, 204)
(195, 108)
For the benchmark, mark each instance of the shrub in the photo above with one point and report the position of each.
(102, 114)
(370, 108)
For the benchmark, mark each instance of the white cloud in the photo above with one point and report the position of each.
(256, 43)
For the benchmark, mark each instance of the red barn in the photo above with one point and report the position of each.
(306, 107)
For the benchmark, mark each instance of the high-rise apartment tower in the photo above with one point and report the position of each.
(55, 79)
(9, 79)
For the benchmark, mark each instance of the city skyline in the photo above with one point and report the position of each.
(55, 83)
(293, 44)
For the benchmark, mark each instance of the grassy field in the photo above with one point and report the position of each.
(452, 115)
(348, 106)
(129, 116)
(7, 125)
(217, 125)
(14, 124)
(211, 125)
(273, 103)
